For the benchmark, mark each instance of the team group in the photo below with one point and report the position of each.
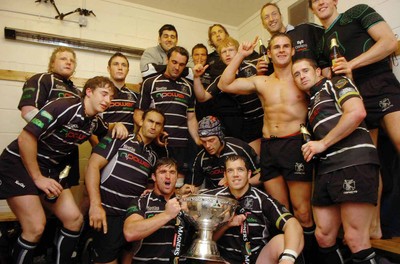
(149, 150)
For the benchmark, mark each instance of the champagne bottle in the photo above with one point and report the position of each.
(62, 179)
(306, 135)
(307, 138)
(263, 51)
(334, 51)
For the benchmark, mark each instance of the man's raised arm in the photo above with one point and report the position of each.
(228, 82)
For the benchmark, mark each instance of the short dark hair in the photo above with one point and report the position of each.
(270, 4)
(165, 161)
(279, 34)
(236, 157)
(199, 46)
(180, 50)
(153, 110)
(167, 27)
(209, 34)
(97, 82)
(312, 62)
(118, 54)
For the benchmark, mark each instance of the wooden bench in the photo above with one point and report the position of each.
(389, 248)
(6, 215)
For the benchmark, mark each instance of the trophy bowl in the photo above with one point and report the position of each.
(206, 213)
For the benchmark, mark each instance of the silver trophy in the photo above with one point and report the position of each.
(206, 213)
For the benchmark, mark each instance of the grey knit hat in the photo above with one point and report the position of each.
(210, 126)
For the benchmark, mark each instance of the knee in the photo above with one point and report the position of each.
(325, 239)
(303, 215)
(33, 232)
(74, 221)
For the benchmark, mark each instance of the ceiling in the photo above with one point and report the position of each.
(226, 12)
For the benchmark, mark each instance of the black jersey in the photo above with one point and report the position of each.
(157, 247)
(263, 214)
(351, 31)
(175, 98)
(211, 168)
(44, 87)
(59, 127)
(327, 98)
(127, 173)
(250, 104)
(305, 39)
(121, 108)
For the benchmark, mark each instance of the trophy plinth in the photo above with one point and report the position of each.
(206, 213)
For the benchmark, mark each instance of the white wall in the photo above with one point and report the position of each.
(116, 22)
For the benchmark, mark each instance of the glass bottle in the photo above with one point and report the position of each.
(62, 179)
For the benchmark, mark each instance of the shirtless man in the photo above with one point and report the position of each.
(283, 169)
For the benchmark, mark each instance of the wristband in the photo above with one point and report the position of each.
(288, 254)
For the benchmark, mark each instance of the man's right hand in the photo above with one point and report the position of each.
(97, 218)
(262, 66)
(199, 70)
(172, 207)
(48, 185)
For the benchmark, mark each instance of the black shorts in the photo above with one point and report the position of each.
(108, 247)
(381, 96)
(283, 156)
(352, 184)
(15, 179)
(252, 130)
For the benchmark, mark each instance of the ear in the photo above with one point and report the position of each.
(89, 91)
(153, 177)
(108, 69)
(318, 71)
(293, 51)
(249, 174)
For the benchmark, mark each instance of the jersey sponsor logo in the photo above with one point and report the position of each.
(102, 145)
(349, 187)
(37, 122)
(217, 171)
(347, 91)
(130, 156)
(47, 115)
(153, 208)
(122, 104)
(162, 88)
(175, 95)
(132, 149)
(341, 83)
(385, 104)
(248, 203)
(75, 135)
(299, 168)
(29, 89)
(20, 184)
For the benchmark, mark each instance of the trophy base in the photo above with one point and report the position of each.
(204, 250)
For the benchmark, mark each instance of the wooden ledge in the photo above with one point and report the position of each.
(7, 216)
(390, 245)
(22, 76)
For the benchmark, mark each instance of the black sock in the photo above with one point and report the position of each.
(66, 243)
(23, 251)
(310, 244)
(365, 256)
(330, 255)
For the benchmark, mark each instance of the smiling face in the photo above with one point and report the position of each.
(165, 178)
(237, 176)
(280, 50)
(168, 39)
(118, 69)
(325, 10)
(305, 75)
(272, 19)
(64, 64)
(98, 100)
